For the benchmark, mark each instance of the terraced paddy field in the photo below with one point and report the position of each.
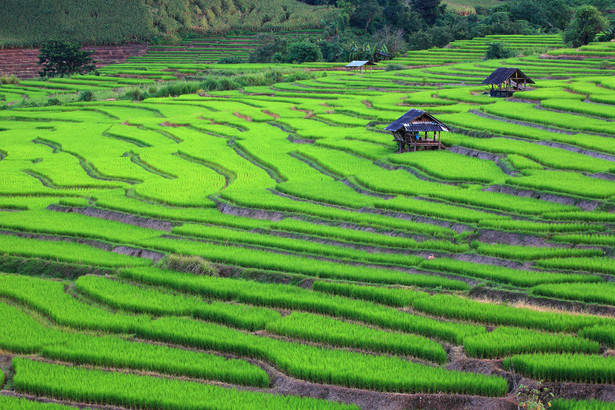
(267, 248)
(212, 49)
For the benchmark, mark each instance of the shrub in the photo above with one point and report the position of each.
(9, 79)
(498, 50)
(86, 95)
(231, 60)
(136, 94)
(190, 264)
(54, 101)
(393, 67)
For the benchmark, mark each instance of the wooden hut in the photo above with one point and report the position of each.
(407, 128)
(359, 65)
(381, 56)
(505, 81)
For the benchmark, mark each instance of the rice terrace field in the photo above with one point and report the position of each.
(266, 247)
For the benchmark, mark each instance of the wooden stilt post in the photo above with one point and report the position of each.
(439, 143)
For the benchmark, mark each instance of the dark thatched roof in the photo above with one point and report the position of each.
(417, 120)
(501, 74)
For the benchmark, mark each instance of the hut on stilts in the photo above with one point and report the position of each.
(360, 66)
(505, 81)
(407, 128)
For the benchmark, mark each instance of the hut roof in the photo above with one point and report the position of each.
(359, 63)
(382, 53)
(501, 74)
(417, 120)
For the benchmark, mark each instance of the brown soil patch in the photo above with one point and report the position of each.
(367, 104)
(245, 117)
(130, 124)
(172, 124)
(124, 218)
(308, 113)
(274, 115)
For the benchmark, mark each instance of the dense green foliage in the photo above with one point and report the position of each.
(59, 59)
(587, 23)
(100, 22)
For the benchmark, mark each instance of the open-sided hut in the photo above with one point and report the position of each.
(505, 81)
(407, 128)
(381, 56)
(359, 65)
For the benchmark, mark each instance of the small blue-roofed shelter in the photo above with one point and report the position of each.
(359, 65)
(407, 128)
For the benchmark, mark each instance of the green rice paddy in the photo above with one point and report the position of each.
(249, 247)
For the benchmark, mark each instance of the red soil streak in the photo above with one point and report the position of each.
(245, 117)
(172, 124)
(276, 116)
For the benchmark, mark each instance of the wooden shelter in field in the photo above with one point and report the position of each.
(505, 81)
(381, 56)
(353, 66)
(407, 131)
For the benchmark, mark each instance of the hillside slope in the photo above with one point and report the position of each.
(27, 24)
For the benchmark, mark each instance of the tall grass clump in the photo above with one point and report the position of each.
(189, 264)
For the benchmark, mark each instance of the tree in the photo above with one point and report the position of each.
(303, 51)
(269, 46)
(430, 10)
(587, 23)
(551, 14)
(498, 50)
(60, 58)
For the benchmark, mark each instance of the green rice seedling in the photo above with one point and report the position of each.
(297, 245)
(504, 341)
(551, 157)
(138, 299)
(467, 169)
(550, 94)
(589, 239)
(365, 237)
(526, 112)
(104, 387)
(338, 333)
(253, 258)
(436, 210)
(603, 334)
(291, 297)
(458, 307)
(520, 162)
(531, 253)
(516, 225)
(502, 274)
(581, 107)
(75, 225)
(304, 361)
(24, 334)
(66, 252)
(563, 404)
(595, 264)
(566, 367)
(10, 402)
(599, 292)
(473, 122)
